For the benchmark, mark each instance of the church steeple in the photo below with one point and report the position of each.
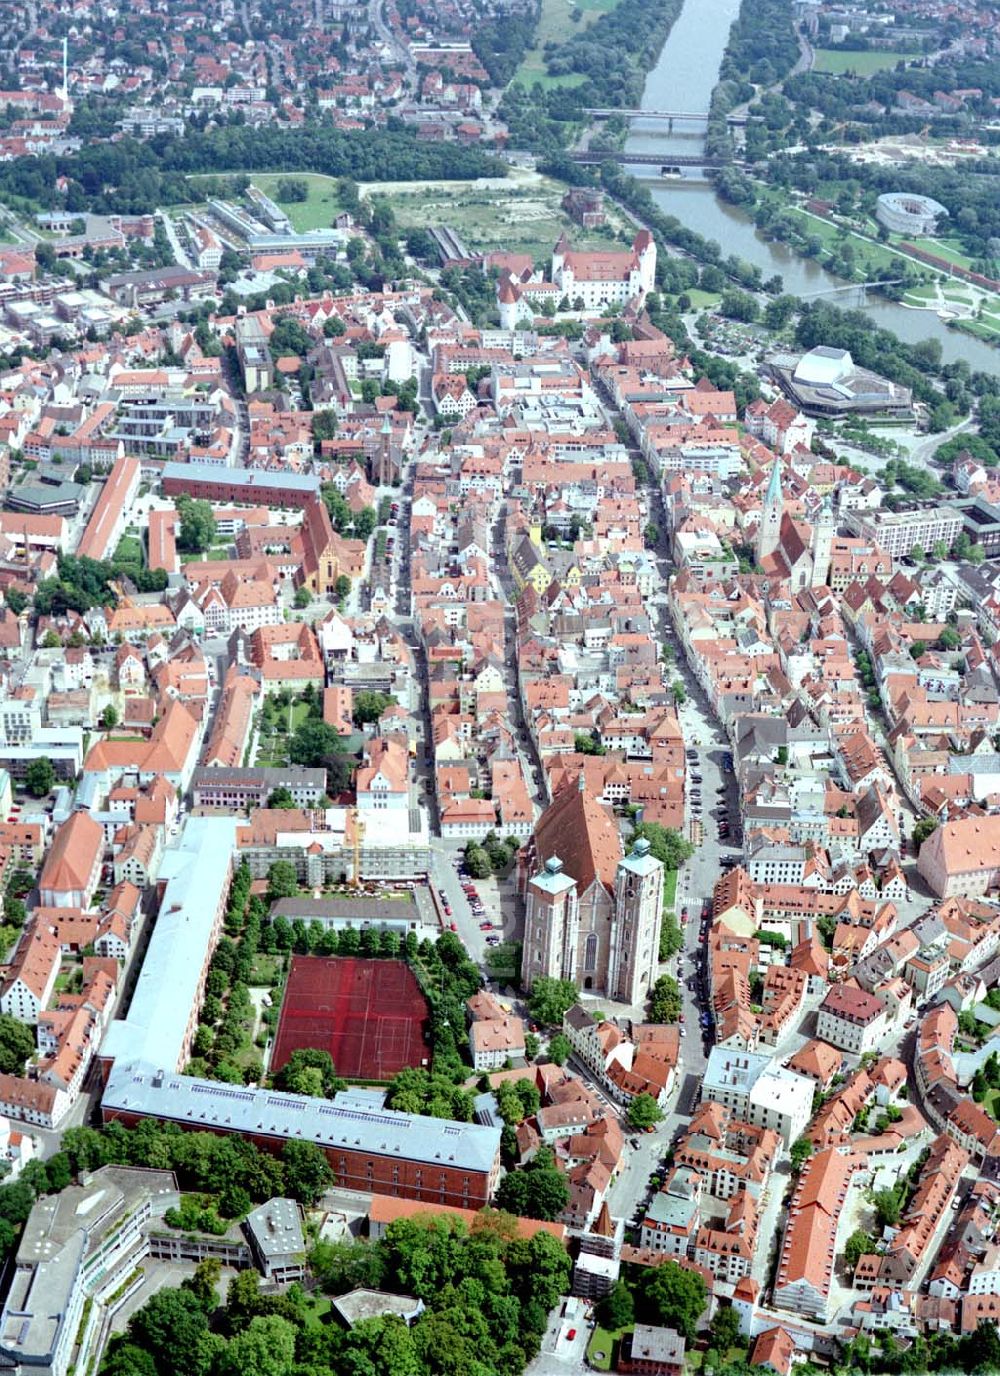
(769, 533)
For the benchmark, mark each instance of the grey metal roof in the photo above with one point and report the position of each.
(364, 909)
(143, 1088)
(242, 477)
(196, 874)
(276, 1228)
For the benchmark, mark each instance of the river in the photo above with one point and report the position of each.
(683, 79)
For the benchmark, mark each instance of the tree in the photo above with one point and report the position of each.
(922, 830)
(537, 1190)
(14, 911)
(170, 1327)
(949, 639)
(302, 598)
(617, 1309)
(281, 798)
(324, 423)
(917, 554)
(317, 1065)
(307, 1171)
(887, 1207)
(550, 998)
(644, 1112)
(725, 1329)
(672, 1296)
(342, 588)
(204, 1283)
(17, 1044)
(125, 1359)
(369, 706)
(671, 938)
(800, 1153)
(560, 1049)
(282, 880)
(678, 692)
(109, 717)
(314, 743)
(292, 189)
(266, 1347)
(665, 1000)
(477, 862)
(197, 524)
(531, 1046)
(40, 777)
(859, 1244)
(665, 845)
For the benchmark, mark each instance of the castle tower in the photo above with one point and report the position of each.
(559, 257)
(507, 299)
(551, 925)
(635, 931)
(645, 249)
(769, 532)
(823, 534)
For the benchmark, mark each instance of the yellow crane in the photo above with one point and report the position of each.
(359, 835)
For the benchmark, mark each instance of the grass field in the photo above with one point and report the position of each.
(702, 300)
(949, 249)
(272, 751)
(129, 551)
(861, 64)
(867, 254)
(315, 213)
(669, 888)
(554, 26)
(522, 215)
(602, 1348)
(988, 328)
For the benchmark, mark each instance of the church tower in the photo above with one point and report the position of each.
(769, 532)
(635, 929)
(823, 532)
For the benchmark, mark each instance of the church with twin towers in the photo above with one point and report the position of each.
(592, 912)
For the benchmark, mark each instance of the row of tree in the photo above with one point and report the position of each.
(132, 177)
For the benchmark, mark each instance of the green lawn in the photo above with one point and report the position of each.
(949, 249)
(604, 1342)
(670, 888)
(523, 215)
(555, 26)
(315, 213)
(920, 296)
(702, 300)
(867, 253)
(265, 972)
(129, 551)
(987, 328)
(861, 64)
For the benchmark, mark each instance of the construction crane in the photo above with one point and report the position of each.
(359, 835)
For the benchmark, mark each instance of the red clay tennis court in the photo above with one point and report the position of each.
(369, 1014)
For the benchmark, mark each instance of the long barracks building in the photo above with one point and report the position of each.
(369, 1148)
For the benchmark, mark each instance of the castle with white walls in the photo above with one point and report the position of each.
(587, 281)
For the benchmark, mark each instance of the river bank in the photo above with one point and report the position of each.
(685, 77)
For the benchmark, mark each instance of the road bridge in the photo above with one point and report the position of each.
(674, 116)
(664, 160)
